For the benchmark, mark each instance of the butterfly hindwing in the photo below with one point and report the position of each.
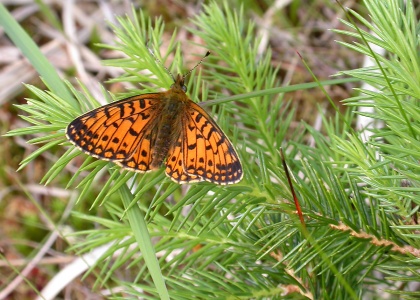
(140, 160)
(175, 166)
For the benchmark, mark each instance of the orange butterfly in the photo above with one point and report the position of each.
(140, 132)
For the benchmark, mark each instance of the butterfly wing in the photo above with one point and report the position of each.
(175, 166)
(119, 131)
(141, 159)
(203, 153)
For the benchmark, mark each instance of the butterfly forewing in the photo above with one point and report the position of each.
(206, 151)
(114, 131)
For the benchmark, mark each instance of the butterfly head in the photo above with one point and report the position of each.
(180, 79)
(179, 84)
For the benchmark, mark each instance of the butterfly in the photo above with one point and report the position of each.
(143, 132)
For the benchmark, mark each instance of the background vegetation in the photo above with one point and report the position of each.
(75, 227)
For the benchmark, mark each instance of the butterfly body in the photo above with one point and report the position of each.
(140, 132)
(170, 111)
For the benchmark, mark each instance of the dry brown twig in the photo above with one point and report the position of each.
(378, 242)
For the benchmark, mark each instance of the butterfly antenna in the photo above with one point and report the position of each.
(201, 60)
(158, 60)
